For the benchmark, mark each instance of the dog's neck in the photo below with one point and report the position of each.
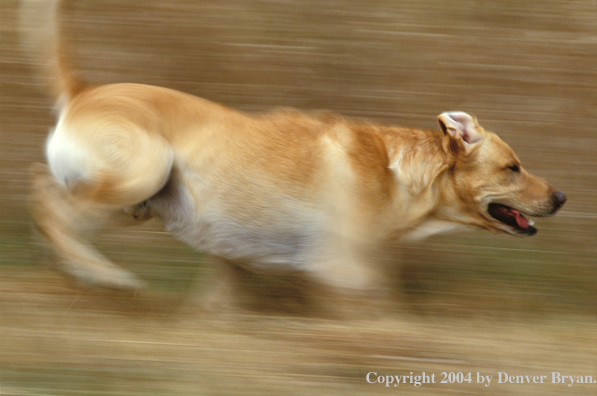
(420, 164)
(416, 158)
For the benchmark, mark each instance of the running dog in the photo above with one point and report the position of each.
(283, 191)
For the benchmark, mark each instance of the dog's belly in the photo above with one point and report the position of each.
(272, 247)
(279, 234)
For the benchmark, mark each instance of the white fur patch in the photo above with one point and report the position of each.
(434, 227)
(67, 159)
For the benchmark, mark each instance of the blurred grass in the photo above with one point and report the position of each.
(473, 302)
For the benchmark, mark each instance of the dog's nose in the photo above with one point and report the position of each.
(559, 199)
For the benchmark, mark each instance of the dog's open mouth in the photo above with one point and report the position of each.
(512, 218)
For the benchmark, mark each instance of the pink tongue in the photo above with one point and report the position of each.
(520, 220)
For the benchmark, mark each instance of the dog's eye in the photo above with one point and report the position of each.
(514, 168)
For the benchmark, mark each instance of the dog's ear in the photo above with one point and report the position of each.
(462, 129)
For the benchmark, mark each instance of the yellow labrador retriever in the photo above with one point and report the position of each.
(286, 190)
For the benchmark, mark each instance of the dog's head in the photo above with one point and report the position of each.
(489, 186)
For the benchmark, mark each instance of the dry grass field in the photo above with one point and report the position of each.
(475, 303)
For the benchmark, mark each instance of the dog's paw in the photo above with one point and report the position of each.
(106, 276)
(139, 212)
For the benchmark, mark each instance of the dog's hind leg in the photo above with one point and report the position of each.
(65, 205)
(61, 219)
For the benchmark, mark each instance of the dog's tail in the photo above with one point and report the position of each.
(44, 36)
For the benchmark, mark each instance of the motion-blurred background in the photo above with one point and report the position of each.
(472, 302)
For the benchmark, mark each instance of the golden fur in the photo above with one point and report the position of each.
(286, 190)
